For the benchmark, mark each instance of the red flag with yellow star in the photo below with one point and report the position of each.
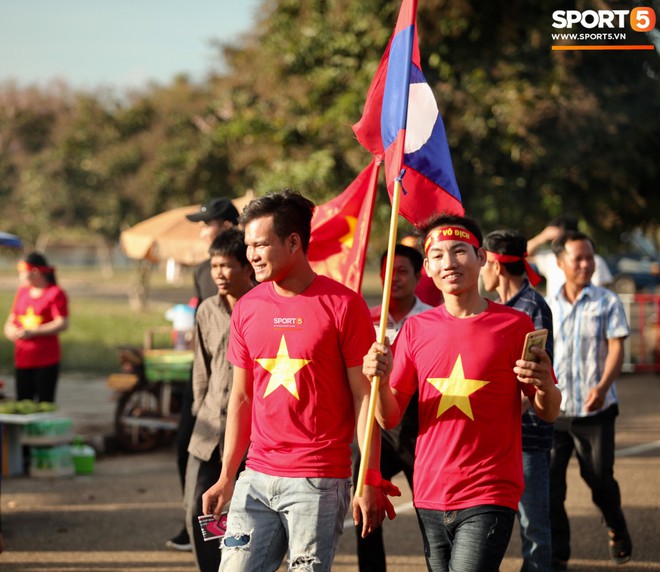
(340, 230)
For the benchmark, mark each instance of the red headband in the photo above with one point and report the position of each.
(450, 233)
(534, 278)
(26, 267)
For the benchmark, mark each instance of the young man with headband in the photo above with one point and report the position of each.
(508, 273)
(398, 445)
(464, 359)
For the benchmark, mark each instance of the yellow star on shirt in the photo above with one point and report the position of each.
(456, 389)
(283, 370)
(30, 320)
(348, 238)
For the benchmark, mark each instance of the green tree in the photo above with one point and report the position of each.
(533, 132)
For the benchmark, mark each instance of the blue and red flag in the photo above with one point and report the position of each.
(401, 122)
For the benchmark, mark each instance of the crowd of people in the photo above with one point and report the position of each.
(285, 359)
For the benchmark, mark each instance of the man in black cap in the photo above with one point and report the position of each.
(213, 217)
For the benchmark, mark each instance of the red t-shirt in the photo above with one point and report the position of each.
(469, 448)
(299, 349)
(29, 312)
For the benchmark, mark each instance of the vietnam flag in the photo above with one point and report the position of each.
(401, 122)
(340, 230)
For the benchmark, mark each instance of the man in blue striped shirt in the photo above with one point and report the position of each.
(504, 272)
(589, 328)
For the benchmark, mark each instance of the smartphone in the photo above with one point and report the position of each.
(212, 528)
(536, 338)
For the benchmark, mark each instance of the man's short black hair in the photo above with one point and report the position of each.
(412, 254)
(509, 242)
(291, 212)
(230, 242)
(559, 244)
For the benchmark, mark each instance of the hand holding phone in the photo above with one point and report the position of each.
(534, 339)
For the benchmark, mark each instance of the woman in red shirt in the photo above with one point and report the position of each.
(38, 314)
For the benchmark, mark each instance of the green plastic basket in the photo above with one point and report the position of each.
(168, 365)
(83, 458)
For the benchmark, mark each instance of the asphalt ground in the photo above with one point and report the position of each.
(118, 518)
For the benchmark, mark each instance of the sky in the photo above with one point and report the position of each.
(118, 44)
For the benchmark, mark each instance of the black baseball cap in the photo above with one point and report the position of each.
(221, 208)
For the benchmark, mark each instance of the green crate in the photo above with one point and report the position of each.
(49, 428)
(51, 461)
(168, 365)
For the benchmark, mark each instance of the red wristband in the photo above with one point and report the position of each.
(373, 478)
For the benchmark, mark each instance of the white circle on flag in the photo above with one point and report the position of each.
(422, 115)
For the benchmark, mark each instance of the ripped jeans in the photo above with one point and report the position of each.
(272, 516)
(467, 540)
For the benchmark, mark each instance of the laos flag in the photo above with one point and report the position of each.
(401, 123)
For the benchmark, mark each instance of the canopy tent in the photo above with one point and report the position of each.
(170, 236)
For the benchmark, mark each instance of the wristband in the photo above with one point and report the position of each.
(373, 478)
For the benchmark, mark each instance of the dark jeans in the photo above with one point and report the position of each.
(200, 475)
(37, 383)
(371, 550)
(468, 540)
(184, 431)
(592, 439)
(534, 513)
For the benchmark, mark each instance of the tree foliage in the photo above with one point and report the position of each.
(533, 133)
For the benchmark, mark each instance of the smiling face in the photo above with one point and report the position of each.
(578, 262)
(454, 266)
(272, 258)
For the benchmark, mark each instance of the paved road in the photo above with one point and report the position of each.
(118, 518)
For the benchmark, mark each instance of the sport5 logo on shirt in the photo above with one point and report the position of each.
(287, 323)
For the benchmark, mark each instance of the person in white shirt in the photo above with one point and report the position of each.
(546, 261)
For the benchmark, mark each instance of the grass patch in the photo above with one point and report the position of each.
(96, 327)
(101, 318)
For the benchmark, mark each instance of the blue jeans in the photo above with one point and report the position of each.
(272, 516)
(534, 513)
(468, 540)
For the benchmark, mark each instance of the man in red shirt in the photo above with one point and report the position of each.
(296, 344)
(463, 358)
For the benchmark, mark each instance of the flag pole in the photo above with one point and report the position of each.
(406, 20)
(382, 330)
